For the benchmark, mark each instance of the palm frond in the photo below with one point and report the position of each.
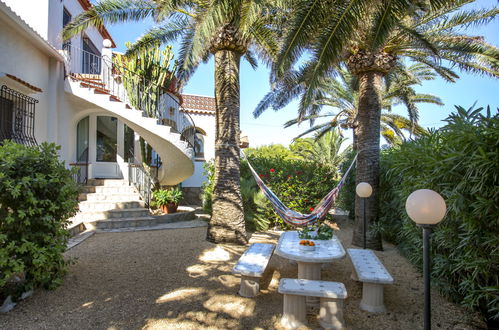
(109, 12)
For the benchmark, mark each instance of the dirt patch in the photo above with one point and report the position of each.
(175, 279)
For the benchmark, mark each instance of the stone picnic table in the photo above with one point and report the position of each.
(309, 262)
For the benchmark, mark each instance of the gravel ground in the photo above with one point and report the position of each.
(174, 279)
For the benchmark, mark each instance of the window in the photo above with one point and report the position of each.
(107, 128)
(17, 117)
(91, 57)
(198, 145)
(82, 141)
(66, 18)
(129, 143)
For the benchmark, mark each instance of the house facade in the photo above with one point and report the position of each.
(70, 93)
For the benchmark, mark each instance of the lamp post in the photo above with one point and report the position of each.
(364, 190)
(426, 208)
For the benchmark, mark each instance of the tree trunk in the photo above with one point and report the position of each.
(367, 142)
(227, 220)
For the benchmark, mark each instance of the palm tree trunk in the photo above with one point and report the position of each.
(227, 220)
(367, 143)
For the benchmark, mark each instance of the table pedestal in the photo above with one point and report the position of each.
(310, 271)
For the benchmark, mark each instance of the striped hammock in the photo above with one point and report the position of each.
(296, 218)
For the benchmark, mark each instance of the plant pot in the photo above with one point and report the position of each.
(169, 208)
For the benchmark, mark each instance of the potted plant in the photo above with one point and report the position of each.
(167, 199)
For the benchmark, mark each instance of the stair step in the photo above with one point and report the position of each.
(114, 98)
(91, 216)
(107, 182)
(111, 190)
(86, 76)
(111, 197)
(93, 85)
(101, 91)
(126, 223)
(109, 205)
(128, 107)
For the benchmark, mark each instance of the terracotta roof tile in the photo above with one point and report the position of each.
(198, 104)
(19, 80)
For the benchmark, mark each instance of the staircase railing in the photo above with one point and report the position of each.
(156, 104)
(141, 180)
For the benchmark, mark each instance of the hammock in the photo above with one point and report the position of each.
(296, 218)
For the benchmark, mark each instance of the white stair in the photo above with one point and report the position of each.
(176, 155)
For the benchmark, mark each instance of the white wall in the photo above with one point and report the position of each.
(207, 124)
(33, 12)
(19, 57)
(92, 33)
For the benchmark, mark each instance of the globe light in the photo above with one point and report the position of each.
(107, 43)
(425, 207)
(364, 189)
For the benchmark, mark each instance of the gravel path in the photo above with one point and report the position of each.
(175, 279)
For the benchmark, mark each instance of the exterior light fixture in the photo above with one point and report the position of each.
(426, 208)
(364, 190)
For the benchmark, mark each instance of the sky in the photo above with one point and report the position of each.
(268, 128)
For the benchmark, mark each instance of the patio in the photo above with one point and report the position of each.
(175, 279)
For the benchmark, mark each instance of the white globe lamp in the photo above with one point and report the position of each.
(107, 43)
(426, 208)
(364, 190)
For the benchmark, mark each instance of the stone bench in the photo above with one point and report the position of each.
(369, 270)
(251, 267)
(331, 296)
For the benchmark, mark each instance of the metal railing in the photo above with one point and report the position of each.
(17, 117)
(141, 179)
(81, 174)
(132, 89)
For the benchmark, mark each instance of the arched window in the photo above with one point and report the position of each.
(198, 145)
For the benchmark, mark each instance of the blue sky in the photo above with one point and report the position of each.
(268, 128)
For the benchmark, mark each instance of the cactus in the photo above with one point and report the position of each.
(146, 76)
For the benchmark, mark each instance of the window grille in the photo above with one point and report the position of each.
(17, 117)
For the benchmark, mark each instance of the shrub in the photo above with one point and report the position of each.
(37, 196)
(461, 162)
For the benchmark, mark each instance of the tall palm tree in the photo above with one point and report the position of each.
(371, 36)
(226, 29)
(341, 93)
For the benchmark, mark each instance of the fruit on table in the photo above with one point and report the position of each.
(307, 243)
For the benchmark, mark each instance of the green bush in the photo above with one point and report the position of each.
(37, 196)
(461, 162)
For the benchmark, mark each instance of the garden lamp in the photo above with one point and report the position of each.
(426, 208)
(364, 190)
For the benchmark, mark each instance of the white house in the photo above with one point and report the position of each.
(70, 93)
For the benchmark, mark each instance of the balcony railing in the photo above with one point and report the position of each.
(132, 89)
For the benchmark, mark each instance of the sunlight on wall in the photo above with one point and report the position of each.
(179, 295)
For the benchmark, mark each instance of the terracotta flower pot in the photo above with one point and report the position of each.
(169, 208)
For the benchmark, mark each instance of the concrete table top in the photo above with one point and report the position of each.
(325, 251)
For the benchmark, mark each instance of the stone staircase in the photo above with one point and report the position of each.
(111, 204)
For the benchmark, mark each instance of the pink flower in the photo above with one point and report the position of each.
(262, 175)
(311, 209)
(272, 170)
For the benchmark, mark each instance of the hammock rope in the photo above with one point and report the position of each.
(296, 218)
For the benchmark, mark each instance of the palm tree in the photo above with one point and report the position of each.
(371, 37)
(342, 93)
(226, 29)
